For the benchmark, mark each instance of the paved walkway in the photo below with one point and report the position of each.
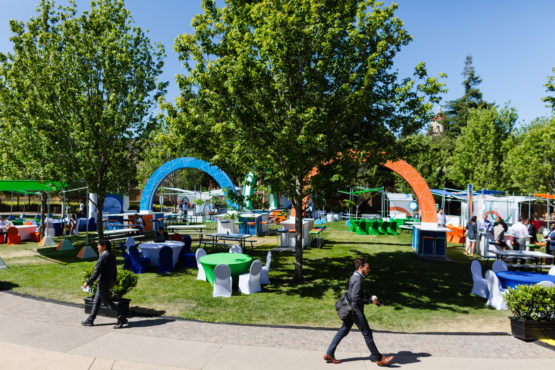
(39, 334)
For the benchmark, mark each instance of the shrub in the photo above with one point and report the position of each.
(531, 302)
(125, 282)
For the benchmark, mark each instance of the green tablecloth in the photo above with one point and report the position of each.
(238, 264)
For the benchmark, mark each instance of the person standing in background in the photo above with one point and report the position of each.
(441, 218)
(531, 230)
(471, 234)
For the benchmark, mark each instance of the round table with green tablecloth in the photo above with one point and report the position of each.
(238, 264)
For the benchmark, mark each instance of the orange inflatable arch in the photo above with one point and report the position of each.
(419, 187)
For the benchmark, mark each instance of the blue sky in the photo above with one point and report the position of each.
(510, 41)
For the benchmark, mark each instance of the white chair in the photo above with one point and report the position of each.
(250, 283)
(235, 249)
(265, 269)
(546, 283)
(201, 275)
(49, 228)
(499, 266)
(76, 229)
(551, 271)
(479, 286)
(129, 242)
(495, 299)
(222, 281)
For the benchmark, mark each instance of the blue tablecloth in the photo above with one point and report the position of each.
(510, 279)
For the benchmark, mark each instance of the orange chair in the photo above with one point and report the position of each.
(27, 223)
(35, 237)
(13, 236)
(176, 237)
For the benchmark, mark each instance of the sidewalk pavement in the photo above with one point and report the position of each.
(37, 334)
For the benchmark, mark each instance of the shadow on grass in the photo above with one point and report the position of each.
(146, 312)
(399, 278)
(64, 257)
(7, 285)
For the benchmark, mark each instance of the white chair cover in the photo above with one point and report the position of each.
(499, 266)
(49, 228)
(76, 229)
(495, 292)
(545, 283)
(551, 271)
(479, 286)
(250, 283)
(201, 275)
(235, 249)
(265, 269)
(222, 281)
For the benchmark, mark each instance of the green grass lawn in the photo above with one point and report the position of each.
(418, 295)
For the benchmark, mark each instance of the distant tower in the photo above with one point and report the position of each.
(436, 128)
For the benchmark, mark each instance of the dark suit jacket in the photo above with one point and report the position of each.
(106, 270)
(161, 238)
(357, 295)
(532, 231)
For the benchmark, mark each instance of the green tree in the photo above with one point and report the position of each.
(479, 152)
(430, 156)
(550, 88)
(530, 162)
(280, 87)
(457, 113)
(86, 85)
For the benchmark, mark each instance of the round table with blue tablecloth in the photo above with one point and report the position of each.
(510, 279)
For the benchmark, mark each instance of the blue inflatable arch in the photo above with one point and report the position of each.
(153, 183)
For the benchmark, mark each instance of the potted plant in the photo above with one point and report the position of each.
(125, 282)
(533, 307)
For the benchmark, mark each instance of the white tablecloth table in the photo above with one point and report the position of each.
(288, 239)
(25, 231)
(152, 250)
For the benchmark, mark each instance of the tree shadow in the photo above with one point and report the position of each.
(399, 278)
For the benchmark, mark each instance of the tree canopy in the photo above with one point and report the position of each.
(84, 85)
(458, 110)
(281, 87)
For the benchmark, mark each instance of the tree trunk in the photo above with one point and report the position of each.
(298, 204)
(99, 223)
(42, 214)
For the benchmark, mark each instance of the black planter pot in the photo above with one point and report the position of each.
(122, 304)
(531, 329)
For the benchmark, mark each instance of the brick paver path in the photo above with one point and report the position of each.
(403, 344)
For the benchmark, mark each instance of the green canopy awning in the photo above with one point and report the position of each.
(23, 186)
(363, 191)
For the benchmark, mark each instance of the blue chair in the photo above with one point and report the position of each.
(92, 224)
(37, 217)
(186, 256)
(188, 241)
(139, 264)
(11, 217)
(165, 262)
(126, 259)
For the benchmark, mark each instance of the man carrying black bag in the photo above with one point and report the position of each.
(358, 298)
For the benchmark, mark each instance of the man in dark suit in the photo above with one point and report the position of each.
(105, 274)
(358, 299)
(161, 236)
(531, 230)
